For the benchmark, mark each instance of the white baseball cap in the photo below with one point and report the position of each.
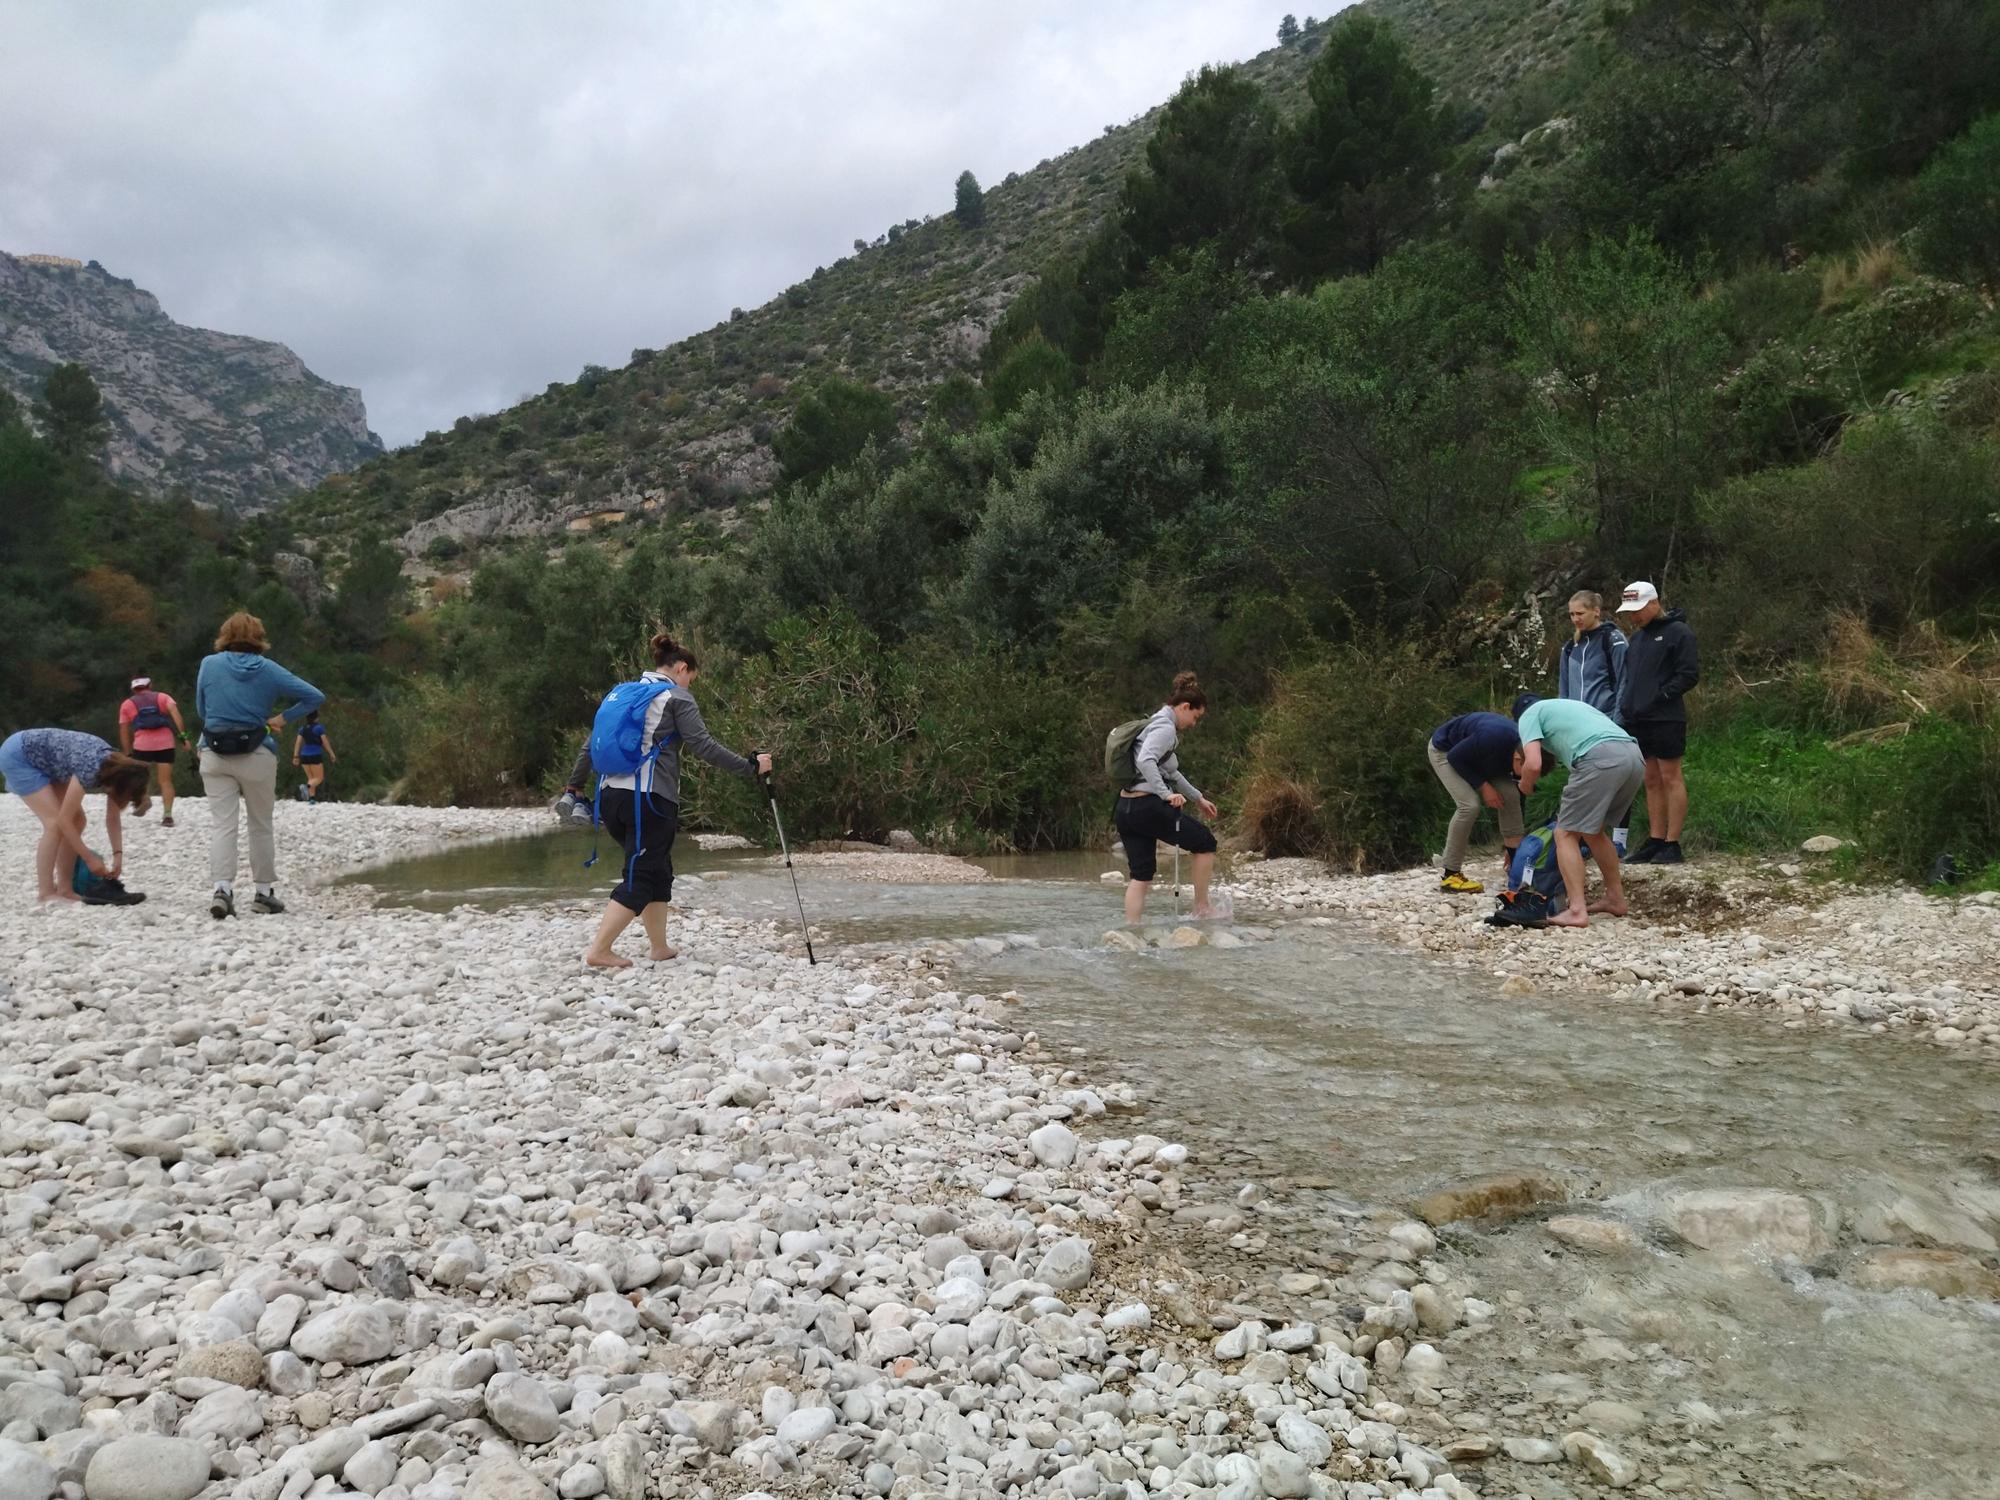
(1637, 597)
(139, 682)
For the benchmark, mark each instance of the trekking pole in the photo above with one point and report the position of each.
(1177, 864)
(771, 792)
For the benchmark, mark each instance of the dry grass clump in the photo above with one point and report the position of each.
(1873, 267)
(1280, 817)
(1922, 673)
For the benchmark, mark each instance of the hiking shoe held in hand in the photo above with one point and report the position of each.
(575, 811)
(110, 891)
(221, 904)
(268, 903)
(1460, 885)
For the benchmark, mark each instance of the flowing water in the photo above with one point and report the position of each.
(1330, 1079)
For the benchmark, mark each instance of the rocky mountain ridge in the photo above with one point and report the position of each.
(231, 420)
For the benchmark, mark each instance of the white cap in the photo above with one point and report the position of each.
(139, 682)
(1637, 597)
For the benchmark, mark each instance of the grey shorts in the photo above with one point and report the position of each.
(1601, 786)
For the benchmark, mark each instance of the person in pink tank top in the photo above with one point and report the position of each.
(149, 727)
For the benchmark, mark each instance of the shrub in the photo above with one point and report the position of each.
(460, 746)
(1338, 768)
(1958, 200)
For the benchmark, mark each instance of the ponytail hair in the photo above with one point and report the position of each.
(1187, 689)
(668, 652)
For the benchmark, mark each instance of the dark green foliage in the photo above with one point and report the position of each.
(1958, 206)
(72, 411)
(1288, 30)
(1360, 160)
(1210, 173)
(1033, 366)
(1895, 527)
(969, 203)
(1627, 360)
(1338, 767)
(830, 427)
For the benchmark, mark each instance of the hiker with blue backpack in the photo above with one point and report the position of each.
(149, 726)
(635, 744)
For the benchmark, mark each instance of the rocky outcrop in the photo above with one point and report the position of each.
(229, 419)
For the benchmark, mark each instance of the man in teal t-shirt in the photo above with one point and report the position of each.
(1606, 772)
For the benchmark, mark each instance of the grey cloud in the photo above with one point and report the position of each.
(452, 204)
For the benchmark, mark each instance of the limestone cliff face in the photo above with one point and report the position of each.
(232, 420)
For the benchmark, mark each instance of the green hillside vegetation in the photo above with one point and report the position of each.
(1345, 387)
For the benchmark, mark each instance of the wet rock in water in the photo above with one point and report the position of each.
(1599, 1236)
(1752, 1222)
(1475, 1448)
(1599, 1459)
(1902, 1217)
(147, 1468)
(1185, 937)
(1527, 1450)
(1125, 940)
(1502, 1195)
(1613, 1416)
(1942, 1273)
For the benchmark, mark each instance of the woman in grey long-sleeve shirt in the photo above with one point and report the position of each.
(1151, 809)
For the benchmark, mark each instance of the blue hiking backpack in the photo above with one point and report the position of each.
(147, 712)
(618, 748)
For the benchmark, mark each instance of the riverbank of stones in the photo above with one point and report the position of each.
(1729, 935)
(360, 1201)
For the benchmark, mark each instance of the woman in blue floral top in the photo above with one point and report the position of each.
(50, 770)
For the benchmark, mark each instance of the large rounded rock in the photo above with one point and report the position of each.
(1598, 1236)
(503, 1479)
(23, 1476)
(147, 1468)
(234, 1362)
(1066, 1265)
(355, 1334)
(519, 1407)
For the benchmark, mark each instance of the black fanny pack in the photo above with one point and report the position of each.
(235, 741)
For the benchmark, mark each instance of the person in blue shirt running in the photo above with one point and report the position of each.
(312, 752)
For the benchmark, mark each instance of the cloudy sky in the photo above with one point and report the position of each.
(451, 203)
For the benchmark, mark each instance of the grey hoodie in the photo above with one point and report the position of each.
(1154, 755)
(675, 713)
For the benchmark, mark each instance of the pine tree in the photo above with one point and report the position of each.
(1288, 30)
(971, 205)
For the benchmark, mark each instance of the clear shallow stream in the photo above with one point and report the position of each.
(1344, 1077)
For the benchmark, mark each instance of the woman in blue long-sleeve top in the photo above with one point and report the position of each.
(236, 695)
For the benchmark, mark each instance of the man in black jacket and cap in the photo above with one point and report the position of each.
(1660, 667)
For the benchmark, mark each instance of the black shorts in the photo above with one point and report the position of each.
(1144, 823)
(1660, 739)
(156, 757)
(650, 877)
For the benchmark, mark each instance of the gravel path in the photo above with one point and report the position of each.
(379, 1202)
(1722, 934)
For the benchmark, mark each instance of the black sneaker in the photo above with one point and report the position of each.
(1643, 855)
(222, 904)
(269, 904)
(111, 892)
(1667, 854)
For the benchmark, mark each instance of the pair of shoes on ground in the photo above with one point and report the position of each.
(574, 811)
(223, 904)
(1657, 852)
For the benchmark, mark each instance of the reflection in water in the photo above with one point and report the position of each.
(1321, 1060)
